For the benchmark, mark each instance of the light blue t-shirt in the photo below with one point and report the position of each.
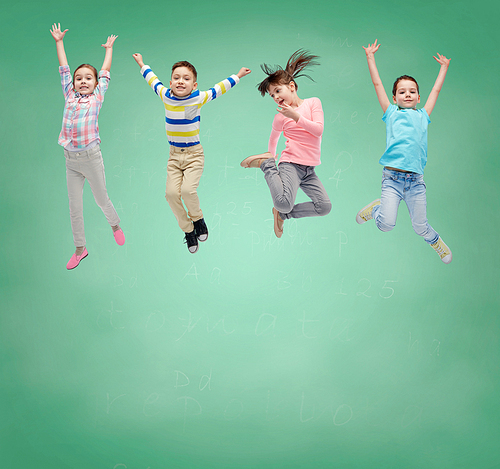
(406, 139)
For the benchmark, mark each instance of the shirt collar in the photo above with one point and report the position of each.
(79, 95)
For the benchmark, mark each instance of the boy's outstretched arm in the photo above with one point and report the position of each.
(431, 100)
(58, 35)
(109, 52)
(377, 82)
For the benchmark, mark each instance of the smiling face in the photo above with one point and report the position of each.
(183, 82)
(84, 81)
(284, 94)
(406, 95)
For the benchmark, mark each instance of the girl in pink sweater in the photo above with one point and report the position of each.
(301, 122)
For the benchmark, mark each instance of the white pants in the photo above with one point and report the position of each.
(80, 166)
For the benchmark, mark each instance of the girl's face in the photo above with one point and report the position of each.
(84, 81)
(283, 93)
(407, 95)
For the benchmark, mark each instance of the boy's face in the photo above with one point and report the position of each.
(182, 82)
(407, 95)
(84, 82)
(283, 93)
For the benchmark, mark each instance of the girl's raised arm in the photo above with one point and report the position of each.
(377, 82)
(109, 52)
(58, 35)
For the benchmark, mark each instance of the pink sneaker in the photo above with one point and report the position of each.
(75, 260)
(119, 237)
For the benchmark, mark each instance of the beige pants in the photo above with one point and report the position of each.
(184, 170)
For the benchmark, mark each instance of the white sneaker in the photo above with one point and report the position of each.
(443, 250)
(365, 213)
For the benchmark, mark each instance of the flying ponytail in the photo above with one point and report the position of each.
(297, 63)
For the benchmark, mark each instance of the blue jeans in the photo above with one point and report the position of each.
(284, 182)
(410, 187)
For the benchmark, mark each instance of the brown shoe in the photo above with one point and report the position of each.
(278, 223)
(255, 161)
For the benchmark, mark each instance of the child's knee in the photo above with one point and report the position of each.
(283, 206)
(188, 191)
(420, 229)
(384, 226)
(323, 208)
(102, 201)
(172, 194)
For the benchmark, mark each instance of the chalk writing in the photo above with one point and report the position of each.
(268, 323)
(411, 415)
(195, 404)
(342, 241)
(192, 272)
(342, 163)
(341, 44)
(305, 321)
(150, 400)
(110, 403)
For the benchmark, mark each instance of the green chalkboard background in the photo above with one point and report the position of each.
(337, 346)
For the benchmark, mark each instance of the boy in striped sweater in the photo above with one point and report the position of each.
(183, 102)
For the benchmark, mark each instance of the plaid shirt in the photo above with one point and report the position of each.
(79, 125)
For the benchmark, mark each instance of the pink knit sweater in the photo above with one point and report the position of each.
(303, 138)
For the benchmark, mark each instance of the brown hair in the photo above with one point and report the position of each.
(189, 66)
(297, 63)
(403, 77)
(91, 68)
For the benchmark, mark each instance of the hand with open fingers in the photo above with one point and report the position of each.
(243, 72)
(371, 49)
(109, 42)
(56, 32)
(442, 60)
(288, 111)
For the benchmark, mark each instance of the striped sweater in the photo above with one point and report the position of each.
(182, 115)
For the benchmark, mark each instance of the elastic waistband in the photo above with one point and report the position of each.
(82, 154)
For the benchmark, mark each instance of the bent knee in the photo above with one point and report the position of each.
(171, 194)
(102, 202)
(188, 192)
(323, 208)
(283, 206)
(385, 226)
(421, 230)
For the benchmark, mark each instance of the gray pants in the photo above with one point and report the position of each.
(284, 182)
(80, 166)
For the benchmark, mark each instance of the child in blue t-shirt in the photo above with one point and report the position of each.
(406, 154)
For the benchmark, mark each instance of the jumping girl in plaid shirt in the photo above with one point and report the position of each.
(83, 95)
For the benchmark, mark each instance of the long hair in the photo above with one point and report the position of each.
(296, 65)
